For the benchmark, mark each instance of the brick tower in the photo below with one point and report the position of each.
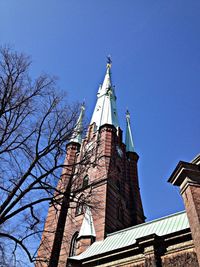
(104, 190)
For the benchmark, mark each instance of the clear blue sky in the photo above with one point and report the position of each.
(155, 48)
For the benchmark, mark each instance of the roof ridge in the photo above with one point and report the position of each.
(149, 222)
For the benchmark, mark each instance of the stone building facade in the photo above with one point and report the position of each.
(102, 223)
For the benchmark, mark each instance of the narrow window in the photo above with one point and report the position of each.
(79, 206)
(73, 245)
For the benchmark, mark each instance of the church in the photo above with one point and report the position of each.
(101, 221)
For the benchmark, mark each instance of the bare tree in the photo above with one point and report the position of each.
(35, 126)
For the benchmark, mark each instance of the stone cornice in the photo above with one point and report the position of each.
(185, 173)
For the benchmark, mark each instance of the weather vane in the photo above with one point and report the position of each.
(109, 61)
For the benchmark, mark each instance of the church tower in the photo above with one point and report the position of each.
(103, 184)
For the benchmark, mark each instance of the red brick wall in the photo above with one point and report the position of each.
(109, 170)
(191, 197)
(45, 249)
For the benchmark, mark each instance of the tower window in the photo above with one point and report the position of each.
(80, 205)
(85, 181)
(73, 245)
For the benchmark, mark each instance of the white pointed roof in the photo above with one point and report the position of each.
(105, 111)
(77, 135)
(87, 227)
(129, 138)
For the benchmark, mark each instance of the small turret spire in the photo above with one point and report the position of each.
(105, 111)
(129, 137)
(87, 227)
(77, 135)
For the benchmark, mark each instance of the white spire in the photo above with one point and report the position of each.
(87, 227)
(77, 135)
(129, 138)
(105, 111)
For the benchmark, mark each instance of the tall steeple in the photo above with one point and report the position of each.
(105, 111)
(77, 135)
(112, 187)
(129, 138)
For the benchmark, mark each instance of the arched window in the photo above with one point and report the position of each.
(85, 181)
(80, 205)
(73, 245)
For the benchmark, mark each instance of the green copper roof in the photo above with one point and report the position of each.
(77, 135)
(129, 138)
(128, 236)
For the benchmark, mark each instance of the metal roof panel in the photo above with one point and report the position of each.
(126, 237)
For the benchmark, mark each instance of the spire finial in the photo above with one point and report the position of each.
(127, 114)
(83, 106)
(109, 62)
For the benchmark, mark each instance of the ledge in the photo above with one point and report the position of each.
(185, 170)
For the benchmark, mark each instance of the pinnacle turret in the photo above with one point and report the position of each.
(77, 135)
(129, 137)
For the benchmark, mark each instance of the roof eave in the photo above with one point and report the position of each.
(182, 170)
